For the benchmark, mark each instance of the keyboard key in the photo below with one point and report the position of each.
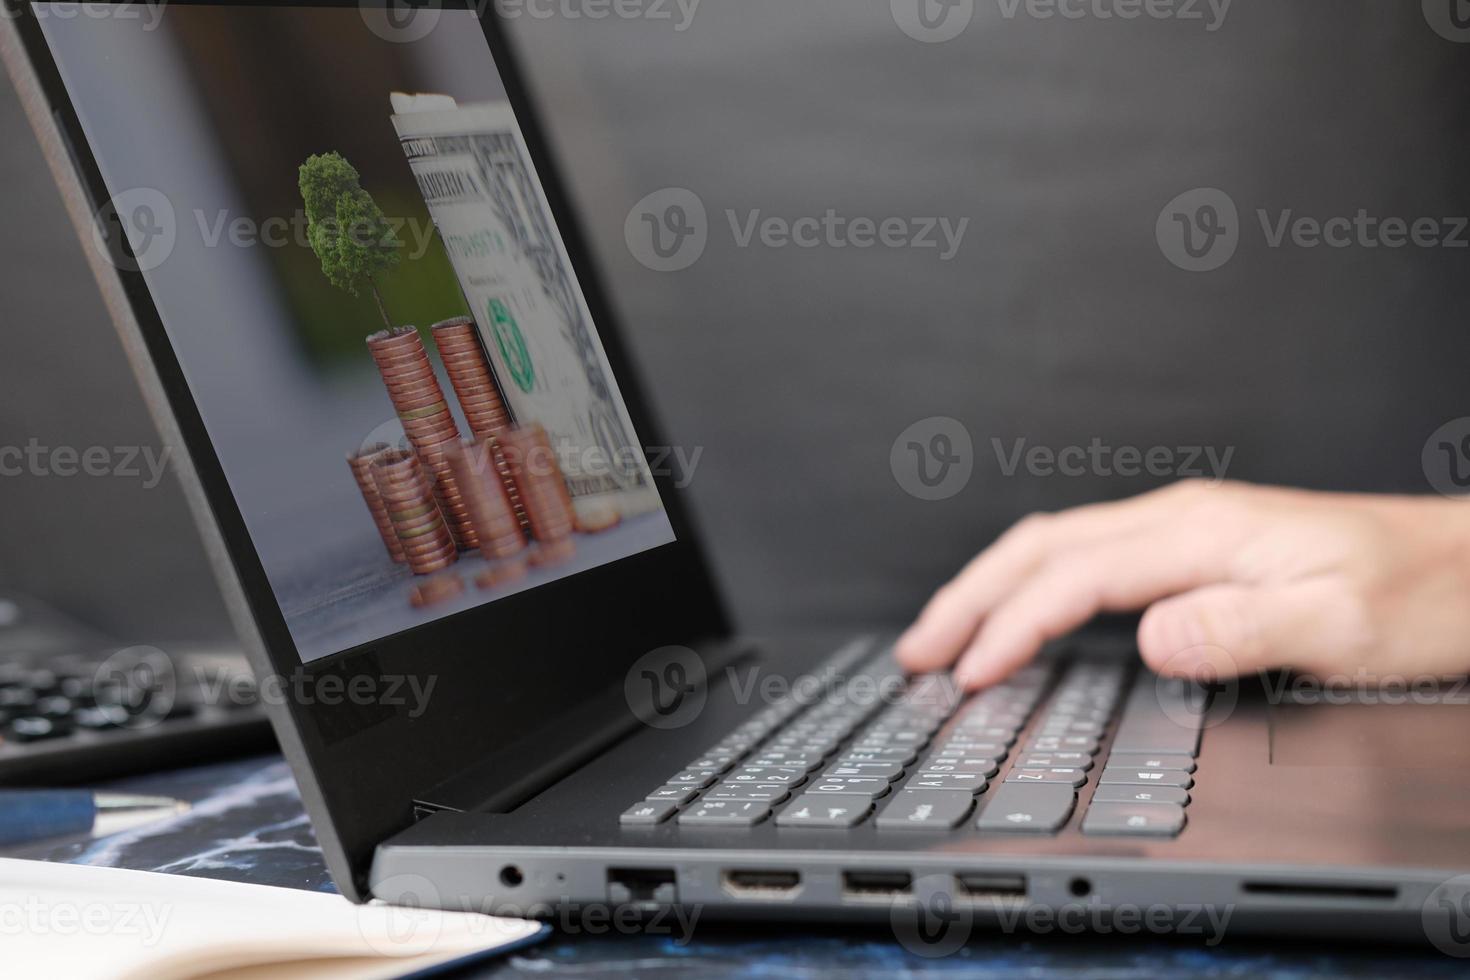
(767, 792)
(1072, 777)
(882, 770)
(725, 813)
(1055, 760)
(1145, 777)
(988, 733)
(722, 762)
(1134, 819)
(789, 775)
(995, 750)
(966, 782)
(698, 778)
(1035, 808)
(790, 760)
(673, 794)
(647, 813)
(871, 786)
(917, 809)
(944, 763)
(1162, 716)
(903, 756)
(1141, 760)
(34, 728)
(1118, 793)
(1064, 743)
(825, 810)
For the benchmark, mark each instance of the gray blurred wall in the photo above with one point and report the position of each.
(792, 370)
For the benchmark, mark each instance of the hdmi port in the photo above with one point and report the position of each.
(876, 884)
(761, 884)
(990, 887)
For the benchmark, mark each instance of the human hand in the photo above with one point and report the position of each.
(1320, 582)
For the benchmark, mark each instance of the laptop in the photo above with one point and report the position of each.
(481, 618)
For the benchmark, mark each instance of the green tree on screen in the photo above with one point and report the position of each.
(346, 228)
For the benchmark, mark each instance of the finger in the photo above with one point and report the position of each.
(1230, 629)
(948, 622)
(1111, 576)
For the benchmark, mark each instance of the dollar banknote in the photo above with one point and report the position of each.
(476, 177)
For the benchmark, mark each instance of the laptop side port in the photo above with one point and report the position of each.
(641, 886)
(989, 886)
(760, 884)
(876, 884)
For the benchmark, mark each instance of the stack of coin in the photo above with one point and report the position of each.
(424, 412)
(361, 462)
(420, 527)
(484, 494)
(474, 385)
(469, 372)
(542, 488)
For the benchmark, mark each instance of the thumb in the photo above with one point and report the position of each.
(1229, 630)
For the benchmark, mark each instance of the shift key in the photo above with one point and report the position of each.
(1028, 808)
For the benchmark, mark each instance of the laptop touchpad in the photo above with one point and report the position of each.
(1398, 730)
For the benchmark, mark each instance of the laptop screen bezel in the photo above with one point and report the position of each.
(361, 770)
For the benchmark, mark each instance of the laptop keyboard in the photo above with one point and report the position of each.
(914, 754)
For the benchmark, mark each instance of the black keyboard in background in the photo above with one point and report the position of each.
(926, 761)
(75, 707)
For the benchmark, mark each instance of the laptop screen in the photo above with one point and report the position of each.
(355, 262)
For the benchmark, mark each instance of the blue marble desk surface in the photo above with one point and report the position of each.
(248, 825)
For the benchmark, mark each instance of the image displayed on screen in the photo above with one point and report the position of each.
(355, 263)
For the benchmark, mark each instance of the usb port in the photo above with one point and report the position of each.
(990, 886)
(876, 884)
(756, 883)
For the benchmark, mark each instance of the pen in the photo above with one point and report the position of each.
(35, 814)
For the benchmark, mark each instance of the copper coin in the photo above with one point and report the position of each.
(440, 588)
(501, 573)
(554, 553)
(594, 519)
